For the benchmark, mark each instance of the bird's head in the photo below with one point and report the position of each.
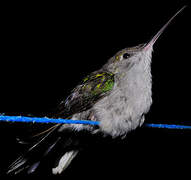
(126, 58)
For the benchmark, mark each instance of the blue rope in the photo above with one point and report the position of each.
(45, 120)
(70, 121)
(168, 126)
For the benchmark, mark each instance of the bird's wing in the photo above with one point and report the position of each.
(87, 93)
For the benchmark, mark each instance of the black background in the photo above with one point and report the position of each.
(46, 49)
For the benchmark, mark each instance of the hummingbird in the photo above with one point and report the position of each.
(118, 95)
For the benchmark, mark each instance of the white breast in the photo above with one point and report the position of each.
(121, 111)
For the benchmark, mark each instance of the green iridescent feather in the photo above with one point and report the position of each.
(91, 89)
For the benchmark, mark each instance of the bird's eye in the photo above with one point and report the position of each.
(126, 55)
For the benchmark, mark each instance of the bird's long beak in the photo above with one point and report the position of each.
(154, 38)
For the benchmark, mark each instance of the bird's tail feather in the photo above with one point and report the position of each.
(65, 161)
(31, 159)
(53, 144)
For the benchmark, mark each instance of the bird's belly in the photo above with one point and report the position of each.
(119, 113)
